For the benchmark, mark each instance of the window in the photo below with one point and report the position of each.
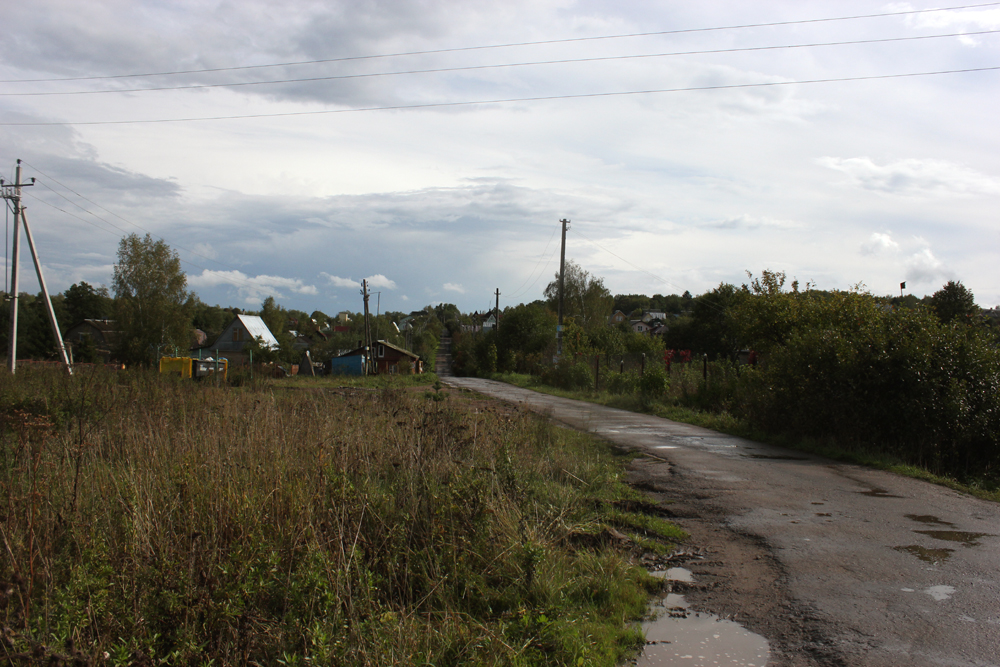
(381, 351)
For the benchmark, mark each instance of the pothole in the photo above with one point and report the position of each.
(677, 635)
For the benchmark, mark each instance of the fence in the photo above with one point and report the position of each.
(603, 365)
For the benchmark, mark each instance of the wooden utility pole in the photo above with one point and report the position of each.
(13, 193)
(496, 312)
(562, 284)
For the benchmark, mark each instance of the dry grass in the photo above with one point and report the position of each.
(149, 521)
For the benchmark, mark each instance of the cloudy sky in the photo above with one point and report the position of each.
(294, 149)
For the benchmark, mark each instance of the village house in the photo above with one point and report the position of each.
(234, 338)
(641, 327)
(103, 334)
(388, 359)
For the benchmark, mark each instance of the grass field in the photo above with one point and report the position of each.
(146, 520)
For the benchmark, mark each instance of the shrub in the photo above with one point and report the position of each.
(622, 384)
(653, 383)
(568, 375)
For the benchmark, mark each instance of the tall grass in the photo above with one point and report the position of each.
(152, 521)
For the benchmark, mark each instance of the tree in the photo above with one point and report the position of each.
(707, 329)
(85, 302)
(954, 301)
(586, 300)
(150, 295)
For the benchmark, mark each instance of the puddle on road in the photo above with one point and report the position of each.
(774, 457)
(878, 493)
(675, 574)
(963, 538)
(927, 518)
(925, 554)
(940, 593)
(678, 635)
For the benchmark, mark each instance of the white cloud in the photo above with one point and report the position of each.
(378, 280)
(923, 267)
(878, 243)
(453, 287)
(337, 281)
(972, 19)
(914, 177)
(252, 289)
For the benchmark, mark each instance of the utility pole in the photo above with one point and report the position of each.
(496, 312)
(369, 362)
(562, 284)
(13, 193)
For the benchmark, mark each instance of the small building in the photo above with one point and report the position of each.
(641, 327)
(490, 323)
(617, 318)
(102, 334)
(388, 359)
(241, 331)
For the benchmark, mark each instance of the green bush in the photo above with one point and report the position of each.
(653, 383)
(623, 384)
(846, 366)
(568, 375)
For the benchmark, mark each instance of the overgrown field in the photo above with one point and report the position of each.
(150, 521)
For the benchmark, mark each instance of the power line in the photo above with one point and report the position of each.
(508, 45)
(518, 292)
(137, 226)
(539, 98)
(230, 280)
(467, 68)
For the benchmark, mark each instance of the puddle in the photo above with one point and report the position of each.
(878, 493)
(677, 635)
(927, 518)
(675, 574)
(681, 636)
(963, 538)
(823, 514)
(925, 554)
(940, 593)
(774, 457)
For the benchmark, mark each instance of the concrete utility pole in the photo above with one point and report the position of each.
(369, 362)
(13, 193)
(562, 283)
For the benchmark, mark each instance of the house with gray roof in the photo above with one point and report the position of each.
(241, 331)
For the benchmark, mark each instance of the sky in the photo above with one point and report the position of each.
(432, 147)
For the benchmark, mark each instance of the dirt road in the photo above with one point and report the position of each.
(834, 564)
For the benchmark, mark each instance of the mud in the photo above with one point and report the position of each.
(737, 578)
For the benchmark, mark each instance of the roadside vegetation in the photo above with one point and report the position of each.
(913, 387)
(148, 520)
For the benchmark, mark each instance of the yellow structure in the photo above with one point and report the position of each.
(187, 367)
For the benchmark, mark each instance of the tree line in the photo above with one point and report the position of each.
(155, 314)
